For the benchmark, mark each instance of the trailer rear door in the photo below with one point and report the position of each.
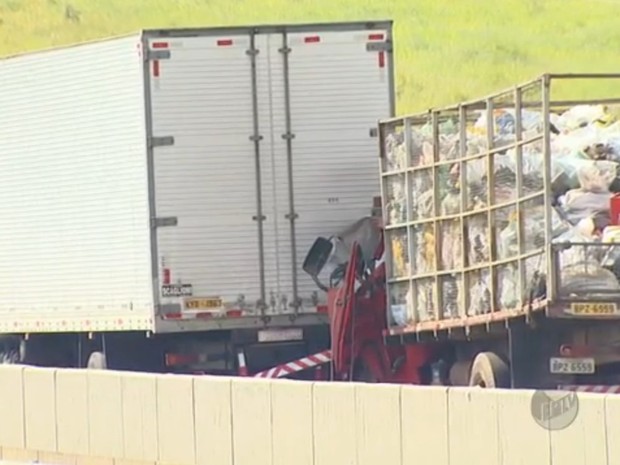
(261, 140)
(338, 90)
(204, 178)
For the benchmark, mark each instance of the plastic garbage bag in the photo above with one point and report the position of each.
(425, 299)
(576, 140)
(480, 295)
(451, 245)
(399, 252)
(422, 196)
(611, 235)
(395, 152)
(505, 121)
(401, 305)
(396, 200)
(510, 294)
(597, 176)
(610, 137)
(451, 203)
(449, 146)
(504, 168)
(423, 238)
(451, 290)
(477, 240)
(581, 115)
(508, 286)
(578, 204)
(533, 231)
(582, 171)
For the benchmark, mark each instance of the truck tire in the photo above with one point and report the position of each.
(97, 361)
(489, 371)
(460, 373)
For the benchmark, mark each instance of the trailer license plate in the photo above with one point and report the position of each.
(572, 366)
(210, 303)
(280, 335)
(594, 309)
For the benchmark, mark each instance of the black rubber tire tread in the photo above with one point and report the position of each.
(460, 373)
(489, 371)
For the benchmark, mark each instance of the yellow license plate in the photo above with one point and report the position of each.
(203, 304)
(594, 309)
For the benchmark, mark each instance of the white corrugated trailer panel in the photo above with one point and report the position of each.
(202, 96)
(339, 90)
(74, 212)
(81, 187)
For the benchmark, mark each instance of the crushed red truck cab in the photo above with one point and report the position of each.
(357, 309)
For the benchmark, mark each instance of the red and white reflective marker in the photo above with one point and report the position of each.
(594, 388)
(296, 365)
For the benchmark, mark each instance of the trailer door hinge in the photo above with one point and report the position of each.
(379, 47)
(161, 141)
(288, 136)
(256, 138)
(158, 54)
(373, 132)
(252, 52)
(164, 221)
(285, 50)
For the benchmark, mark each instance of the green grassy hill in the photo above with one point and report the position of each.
(447, 50)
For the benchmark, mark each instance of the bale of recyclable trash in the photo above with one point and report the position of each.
(432, 183)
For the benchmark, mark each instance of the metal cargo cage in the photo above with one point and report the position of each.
(505, 205)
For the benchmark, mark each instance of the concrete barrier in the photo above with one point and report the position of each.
(79, 417)
(175, 420)
(292, 423)
(140, 425)
(213, 420)
(519, 435)
(12, 424)
(612, 429)
(333, 430)
(40, 409)
(378, 415)
(72, 414)
(424, 420)
(251, 422)
(585, 441)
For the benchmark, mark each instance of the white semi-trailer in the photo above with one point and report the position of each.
(159, 191)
